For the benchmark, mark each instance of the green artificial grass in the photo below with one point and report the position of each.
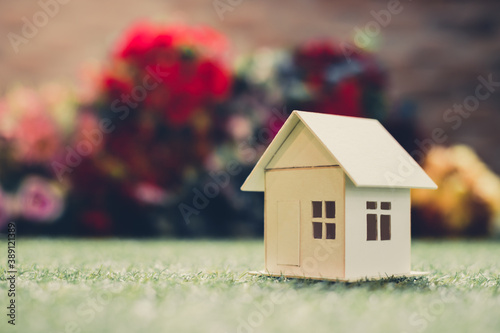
(202, 286)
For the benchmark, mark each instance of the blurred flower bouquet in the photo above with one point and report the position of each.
(270, 84)
(160, 101)
(319, 76)
(316, 76)
(160, 140)
(467, 201)
(34, 126)
(163, 142)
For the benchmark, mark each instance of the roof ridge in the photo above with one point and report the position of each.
(379, 161)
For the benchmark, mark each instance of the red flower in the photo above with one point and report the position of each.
(314, 57)
(116, 87)
(97, 222)
(348, 99)
(216, 80)
(189, 58)
(336, 84)
(135, 43)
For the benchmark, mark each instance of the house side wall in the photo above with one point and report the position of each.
(376, 257)
(301, 149)
(320, 258)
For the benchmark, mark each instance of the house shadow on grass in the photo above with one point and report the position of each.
(420, 283)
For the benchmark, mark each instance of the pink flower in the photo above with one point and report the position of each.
(26, 121)
(4, 214)
(40, 200)
(36, 138)
(150, 194)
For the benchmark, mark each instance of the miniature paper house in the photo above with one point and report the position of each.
(337, 199)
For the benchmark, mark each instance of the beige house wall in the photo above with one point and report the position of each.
(290, 247)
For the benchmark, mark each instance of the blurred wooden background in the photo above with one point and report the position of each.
(434, 50)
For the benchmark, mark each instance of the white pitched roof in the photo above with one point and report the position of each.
(365, 150)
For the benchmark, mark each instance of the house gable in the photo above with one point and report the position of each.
(301, 149)
(364, 149)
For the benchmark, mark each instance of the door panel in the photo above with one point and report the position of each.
(288, 233)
